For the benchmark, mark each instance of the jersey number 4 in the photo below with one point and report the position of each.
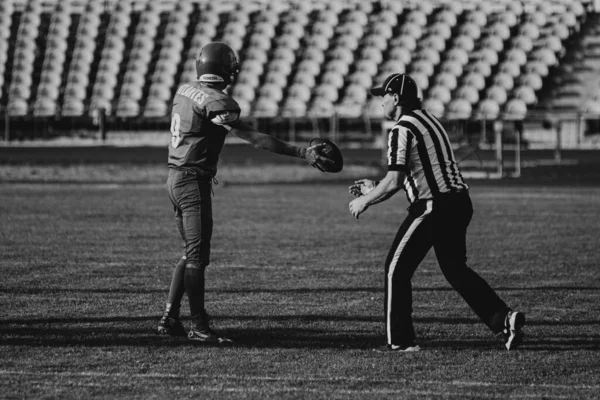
(176, 137)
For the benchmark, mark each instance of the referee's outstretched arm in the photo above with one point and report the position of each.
(388, 186)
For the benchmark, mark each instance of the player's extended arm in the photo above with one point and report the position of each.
(267, 142)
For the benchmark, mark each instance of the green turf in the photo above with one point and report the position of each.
(297, 282)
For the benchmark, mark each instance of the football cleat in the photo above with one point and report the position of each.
(392, 348)
(170, 326)
(207, 335)
(513, 333)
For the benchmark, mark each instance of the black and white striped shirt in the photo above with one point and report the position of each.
(419, 145)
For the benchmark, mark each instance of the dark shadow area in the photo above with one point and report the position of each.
(273, 318)
(139, 331)
(33, 290)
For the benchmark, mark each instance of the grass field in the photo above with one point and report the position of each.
(298, 284)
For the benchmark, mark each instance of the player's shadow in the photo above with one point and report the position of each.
(302, 332)
(252, 290)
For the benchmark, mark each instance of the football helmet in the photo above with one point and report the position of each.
(402, 85)
(217, 63)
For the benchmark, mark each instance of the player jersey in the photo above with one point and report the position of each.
(419, 145)
(197, 131)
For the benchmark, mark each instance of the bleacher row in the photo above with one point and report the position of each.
(297, 58)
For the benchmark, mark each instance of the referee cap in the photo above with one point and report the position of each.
(400, 84)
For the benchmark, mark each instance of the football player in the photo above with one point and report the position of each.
(202, 116)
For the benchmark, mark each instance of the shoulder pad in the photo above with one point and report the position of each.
(219, 102)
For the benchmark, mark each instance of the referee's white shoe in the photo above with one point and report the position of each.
(513, 331)
(392, 348)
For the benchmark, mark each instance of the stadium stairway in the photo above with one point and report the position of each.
(576, 87)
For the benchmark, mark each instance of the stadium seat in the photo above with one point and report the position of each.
(441, 93)
(424, 67)
(73, 108)
(497, 93)
(433, 42)
(44, 107)
(321, 107)
(260, 42)
(492, 43)
(271, 91)
(474, 79)
(265, 107)
(422, 81)
(480, 67)
(526, 94)
(446, 80)
(470, 29)
(429, 55)
(488, 109)
(371, 53)
(401, 54)
(516, 55)
(276, 78)
(412, 30)
(469, 93)
(160, 92)
(532, 80)
(368, 66)
(281, 66)
(374, 108)
(356, 93)
(477, 17)
(464, 42)
(127, 108)
(294, 107)
(17, 107)
(529, 30)
(459, 55)
(333, 78)
(499, 30)
(447, 17)
(305, 79)
(544, 55)
(327, 92)
(458, 109)
(453, 67)
(300, 92)
(522, 42)
(504, 80)
(416, 17)
(434, 106)
(538, 67)
(515, 109)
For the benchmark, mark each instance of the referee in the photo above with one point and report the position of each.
(421, 161)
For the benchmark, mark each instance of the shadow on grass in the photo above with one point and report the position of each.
(300, 319)
(275, 338)
(51, 290)
(139, 331)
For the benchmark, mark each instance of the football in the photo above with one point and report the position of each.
(330, 151)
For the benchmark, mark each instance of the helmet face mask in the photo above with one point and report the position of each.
(217, 63)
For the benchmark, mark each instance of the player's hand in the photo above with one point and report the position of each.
(358, 206)
(313, 157)
(362, 187)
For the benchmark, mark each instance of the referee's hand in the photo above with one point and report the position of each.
(358, 206)
(361, 187)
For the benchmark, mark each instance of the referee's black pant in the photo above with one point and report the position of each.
(442, 224)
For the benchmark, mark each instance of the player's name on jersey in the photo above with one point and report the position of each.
(192, 93)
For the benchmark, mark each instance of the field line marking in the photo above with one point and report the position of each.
(92, 374)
